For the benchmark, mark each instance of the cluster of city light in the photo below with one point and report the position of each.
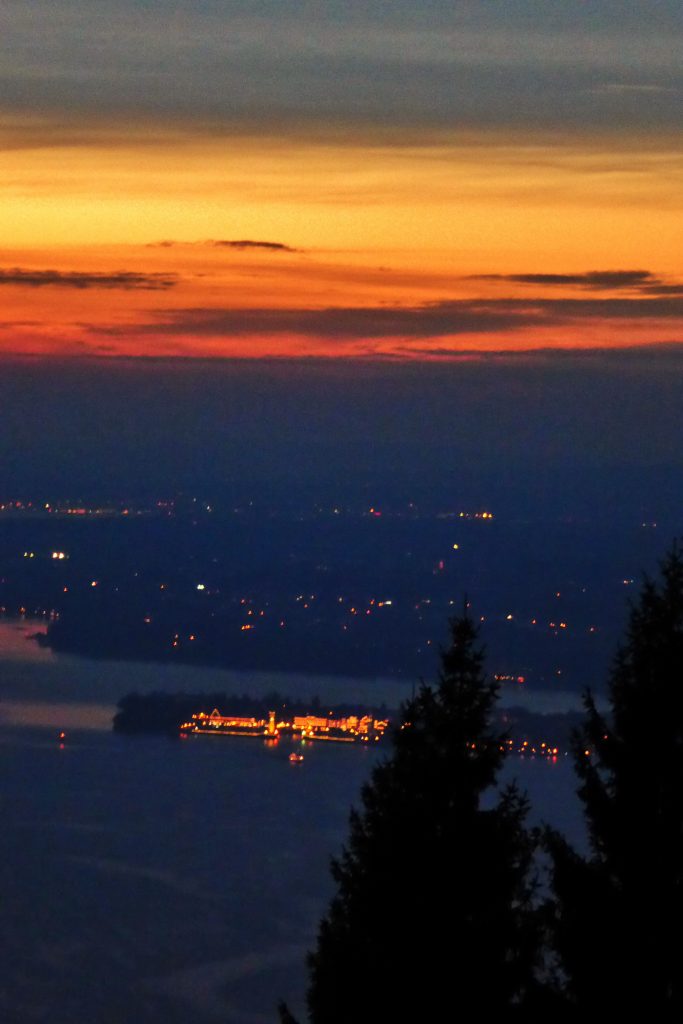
(526, 748)
(67, 508)
(350, 729)
(363, 608)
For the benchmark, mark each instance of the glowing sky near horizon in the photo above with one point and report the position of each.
(214, 178)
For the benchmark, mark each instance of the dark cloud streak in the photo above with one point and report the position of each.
(664, 354)
(439, 319)
(248, 244)
(590, 279)
(221, 243)
(123, 279)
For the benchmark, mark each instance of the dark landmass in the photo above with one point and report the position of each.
(334, 591)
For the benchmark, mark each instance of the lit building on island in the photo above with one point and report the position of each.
(353, 729)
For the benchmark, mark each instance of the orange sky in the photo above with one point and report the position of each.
(419, 231)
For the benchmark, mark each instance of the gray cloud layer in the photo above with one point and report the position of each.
(531, 64)
(433, 426)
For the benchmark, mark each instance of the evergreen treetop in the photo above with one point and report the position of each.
(618, 911)
(432, 888)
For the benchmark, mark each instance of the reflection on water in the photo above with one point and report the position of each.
(177, 881)
(16, 643)
(60, 715)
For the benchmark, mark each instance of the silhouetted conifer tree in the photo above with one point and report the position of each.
(618, 911)
(430, 918)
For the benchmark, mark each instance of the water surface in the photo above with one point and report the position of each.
(154, 880)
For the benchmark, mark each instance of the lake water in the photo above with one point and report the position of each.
(146, 879)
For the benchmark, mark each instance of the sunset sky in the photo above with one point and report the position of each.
(337, 245)
(184, 178)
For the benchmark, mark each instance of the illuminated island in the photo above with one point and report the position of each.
(361, 728)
